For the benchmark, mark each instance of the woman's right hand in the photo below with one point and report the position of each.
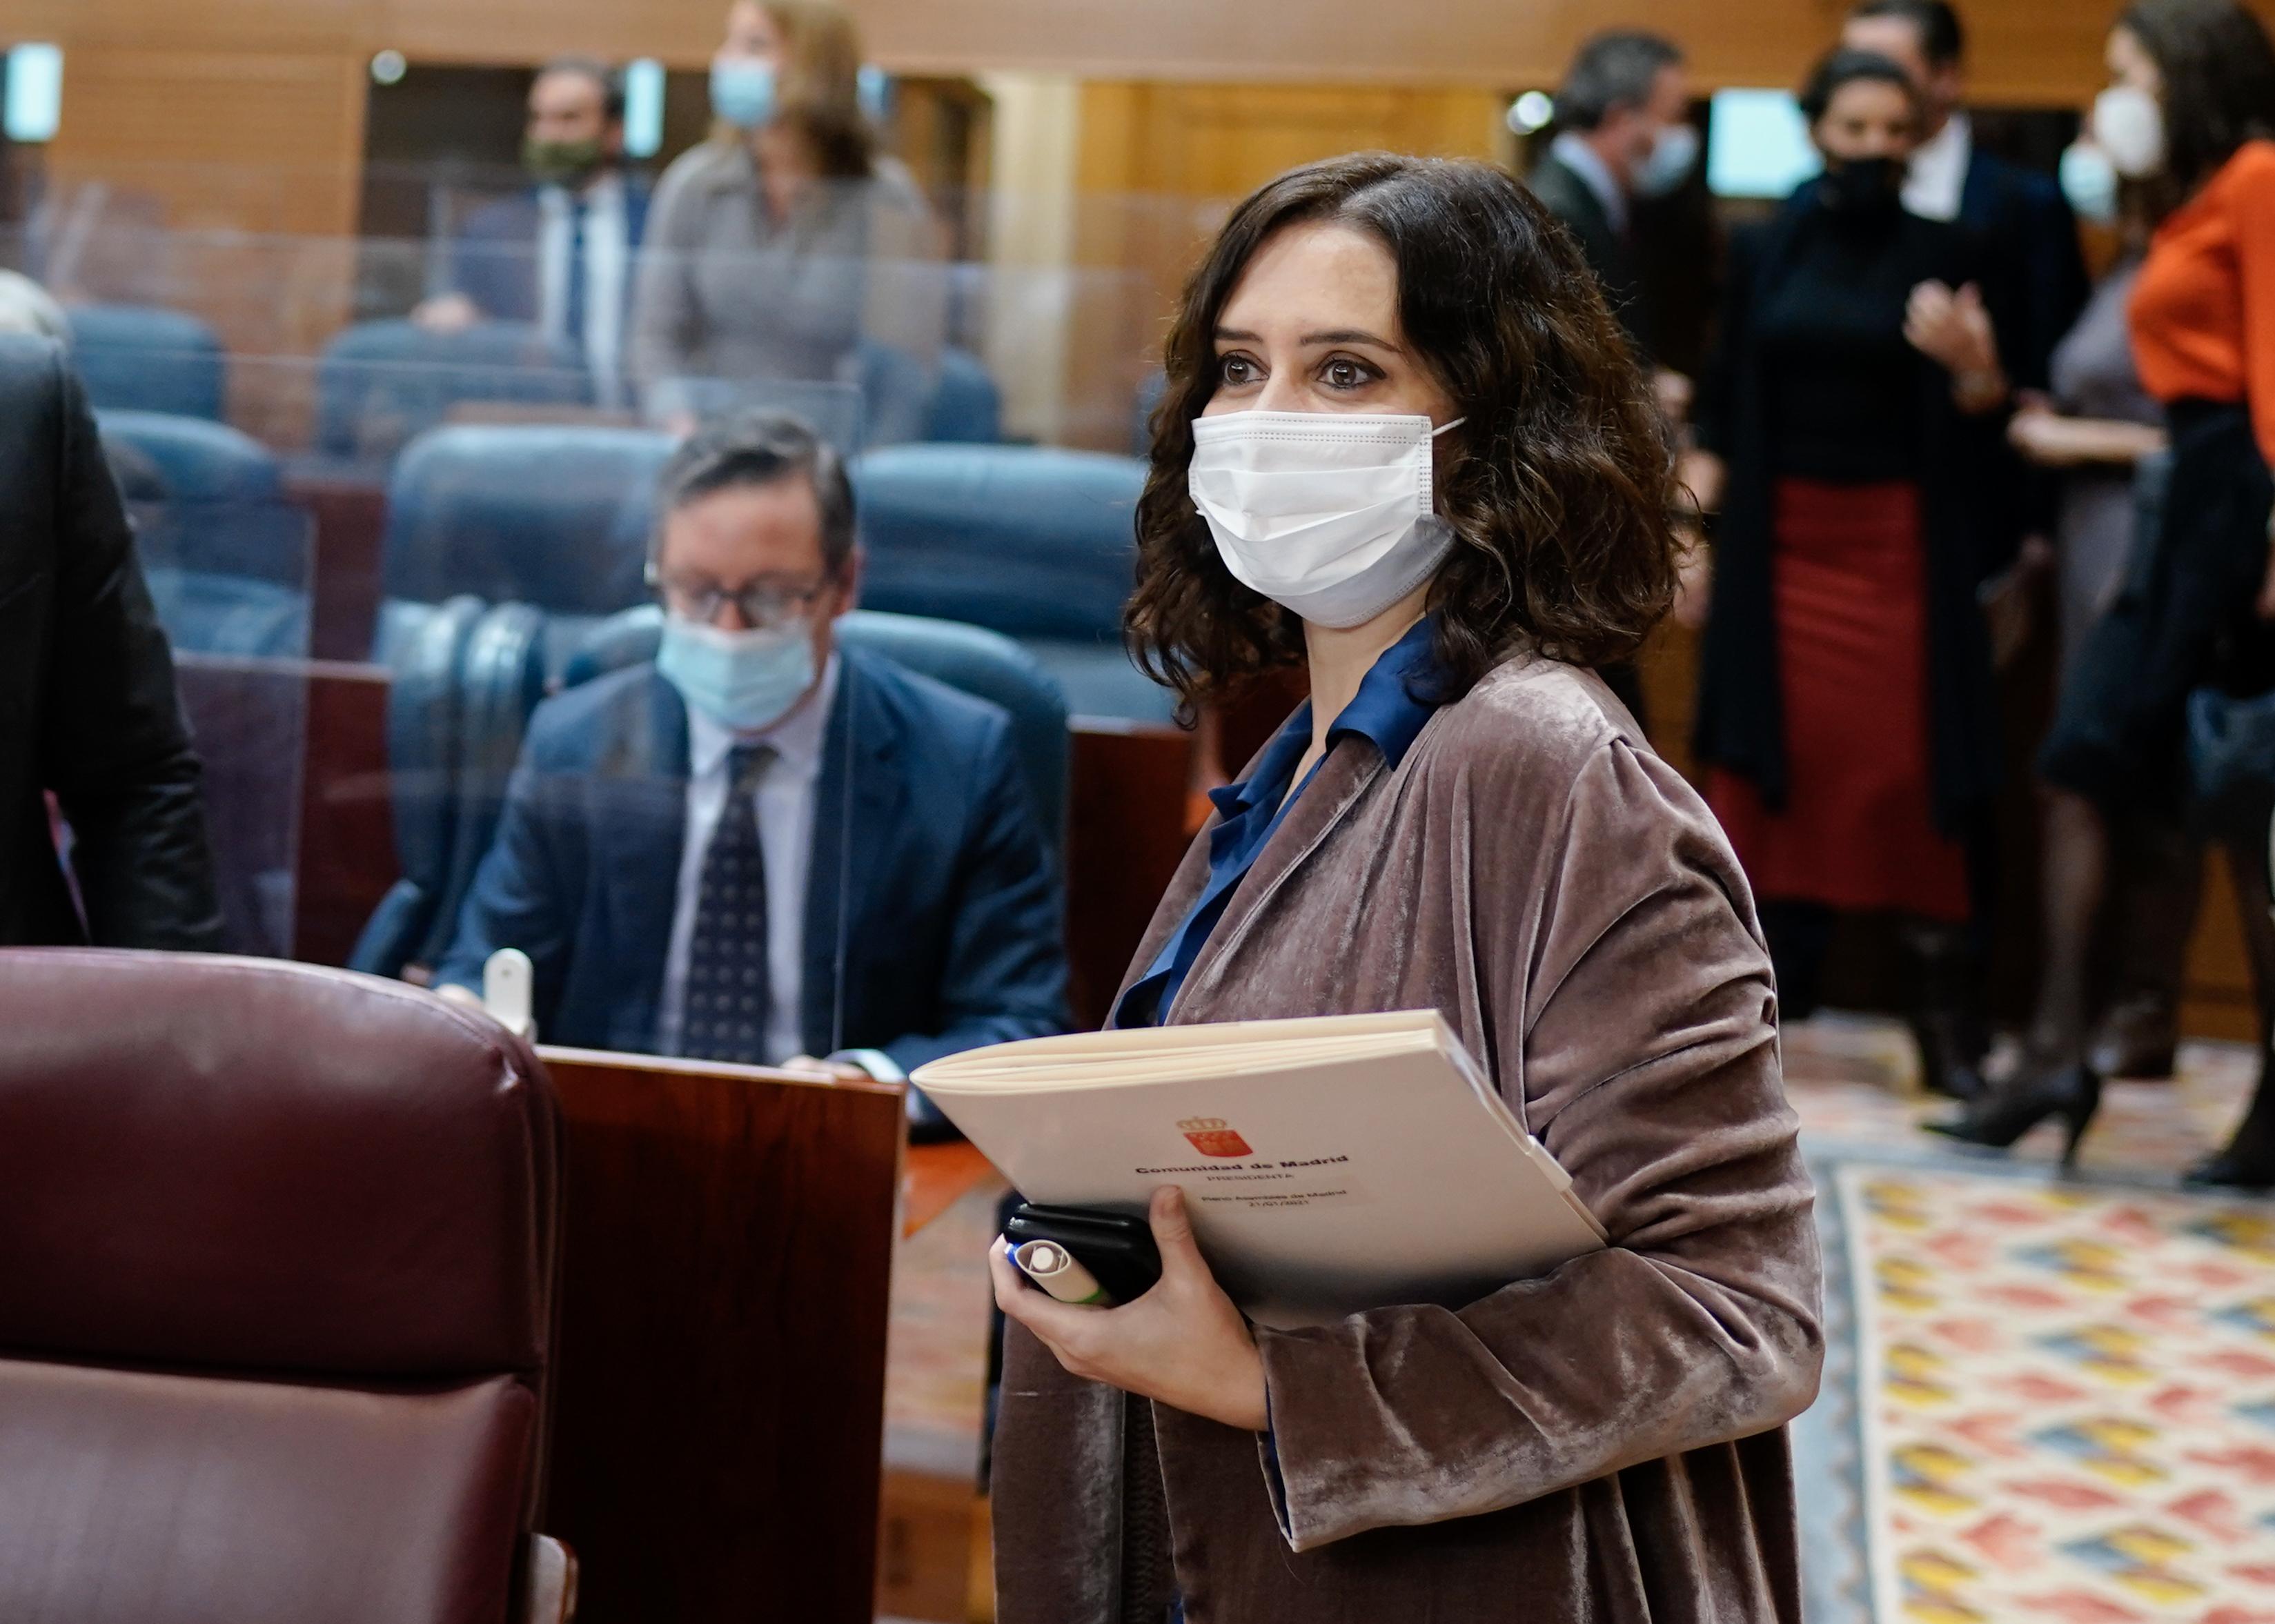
(1950, 327)
(2053, 441)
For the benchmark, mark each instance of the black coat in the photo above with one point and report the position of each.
(2024, 225)
(1609, 253)
(1968, 517)
(88, 707)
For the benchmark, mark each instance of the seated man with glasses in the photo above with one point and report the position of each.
(762, 847)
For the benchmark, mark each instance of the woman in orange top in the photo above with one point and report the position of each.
(2191, 114)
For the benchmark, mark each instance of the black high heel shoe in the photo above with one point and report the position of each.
(2248, 1161)
(2007, 1112)
(1946, 1018)
(2234, 1169)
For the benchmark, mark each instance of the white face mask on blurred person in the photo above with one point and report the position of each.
(1327, 514)
(1674, 150)
(2089, 180)
(2129, 126)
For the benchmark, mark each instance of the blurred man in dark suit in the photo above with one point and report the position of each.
(560, 254)
(763, 847)
(1622, 113)
(2029, 233)
(89, 714)
(1623, 131)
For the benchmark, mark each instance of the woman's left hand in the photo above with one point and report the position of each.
(1952, 329)
(1183, 1343)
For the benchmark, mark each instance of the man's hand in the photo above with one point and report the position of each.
(1183, 1343)
(446, 312)
(833, 1070)
(466, 998)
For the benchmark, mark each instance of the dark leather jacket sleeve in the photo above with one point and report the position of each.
(113, 742)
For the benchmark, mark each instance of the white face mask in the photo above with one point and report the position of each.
(1327, 514)
(2129, 126)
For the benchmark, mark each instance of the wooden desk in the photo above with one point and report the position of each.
(350, 513)
(345, 857)
(936, 1177)
(719, 1393)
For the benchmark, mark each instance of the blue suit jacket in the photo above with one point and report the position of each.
(492, 259)
(2030, 236)
(951, 922)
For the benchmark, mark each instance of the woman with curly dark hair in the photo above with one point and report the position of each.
(1405, 447)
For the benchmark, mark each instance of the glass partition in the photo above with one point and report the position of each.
(380, 534)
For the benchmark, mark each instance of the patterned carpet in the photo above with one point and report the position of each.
(2056, 1398)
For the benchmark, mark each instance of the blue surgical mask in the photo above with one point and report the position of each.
(874, 89)
(1674, 150)
(743, 92)
(741, 680)
(2089, 180)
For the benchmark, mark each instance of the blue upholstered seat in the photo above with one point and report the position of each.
(967, 408)
(1033, 542)
(141, 359)
(379, 383)
(902, 401)
(227, 557)
(1027, 541)
(465, 682)
(554, 517)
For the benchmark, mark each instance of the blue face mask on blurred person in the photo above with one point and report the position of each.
(743, 92)
(741, 680)
(1668, 163)
(2089, 180)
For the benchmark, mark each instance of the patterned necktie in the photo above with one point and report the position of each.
(574, 314)
(729, 992)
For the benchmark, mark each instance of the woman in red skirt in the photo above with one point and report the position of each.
(1852, 429)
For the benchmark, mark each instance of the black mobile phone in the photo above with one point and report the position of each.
(1118, 1250)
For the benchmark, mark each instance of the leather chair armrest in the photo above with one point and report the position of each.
(550, 1583)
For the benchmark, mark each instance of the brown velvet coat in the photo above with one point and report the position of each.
(1604, 1444)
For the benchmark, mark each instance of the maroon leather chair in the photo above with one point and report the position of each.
(278, 1248)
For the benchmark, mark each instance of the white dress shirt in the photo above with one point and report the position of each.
(785, 797)
(608, 262)
(1938, 171)
(1584, 161)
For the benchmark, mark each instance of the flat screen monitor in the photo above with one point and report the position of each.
(1757, 144)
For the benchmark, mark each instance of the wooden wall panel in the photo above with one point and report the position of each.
(2029, 51)
(1160, 165)
(264, 142)
(682, 33)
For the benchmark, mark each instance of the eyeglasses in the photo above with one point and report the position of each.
(764, 605)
